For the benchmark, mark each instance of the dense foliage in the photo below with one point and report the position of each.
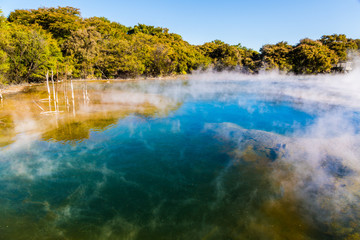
(35, 41)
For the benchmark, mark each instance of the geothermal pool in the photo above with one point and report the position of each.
(217, 156)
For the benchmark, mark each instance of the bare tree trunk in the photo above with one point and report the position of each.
(54, 93)
(1, 97)
(48, 88)
(66, 90)
(73, 98)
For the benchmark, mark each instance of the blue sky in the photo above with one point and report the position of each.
(251, 23)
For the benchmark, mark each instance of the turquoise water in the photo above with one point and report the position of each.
(216, 165)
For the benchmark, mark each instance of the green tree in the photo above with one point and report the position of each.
(223, 55)
(276, 56)
(311, 57)
(118, 60)
(31, 52)
(339, 44)
(4, 43)
(60, 21)
(357, 41)
(83, 47)
(153, 53)
(250, 59)
(150, 30)
(106, 28)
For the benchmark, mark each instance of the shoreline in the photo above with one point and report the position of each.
(16, 88)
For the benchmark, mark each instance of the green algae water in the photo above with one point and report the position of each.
(196, 159)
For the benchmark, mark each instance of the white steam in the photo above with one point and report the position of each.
(318, 164)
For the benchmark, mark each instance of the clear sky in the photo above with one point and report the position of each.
(252, 23)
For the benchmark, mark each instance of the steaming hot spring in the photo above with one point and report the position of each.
(216, 156)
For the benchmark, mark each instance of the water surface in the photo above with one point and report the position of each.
(219, 159)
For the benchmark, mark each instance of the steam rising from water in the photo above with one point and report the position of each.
(300, 134)
(317, 164)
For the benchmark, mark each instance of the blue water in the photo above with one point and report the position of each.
(156, 177)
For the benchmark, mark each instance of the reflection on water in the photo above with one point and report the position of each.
(69, 112)
(176, 160)
(7, 131)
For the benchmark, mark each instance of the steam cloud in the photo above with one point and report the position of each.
(317, 164)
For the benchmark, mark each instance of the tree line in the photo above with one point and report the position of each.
(34, 41)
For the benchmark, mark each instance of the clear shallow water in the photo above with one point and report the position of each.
(177, 160)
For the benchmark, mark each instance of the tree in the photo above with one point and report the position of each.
(118, 60)
(60, 21)
(83, 47)
(150, 30)
(311, 57)
(276, 56)
(339, 44)
(153, 53)
(223, 55)
(250, 59)
(357, 41)
(4, 43)
(106, 28)
(31, 52)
